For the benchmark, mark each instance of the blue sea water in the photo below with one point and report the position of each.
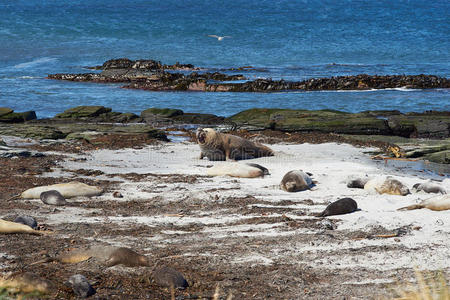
(293, 40)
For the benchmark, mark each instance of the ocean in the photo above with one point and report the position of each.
(292, 40)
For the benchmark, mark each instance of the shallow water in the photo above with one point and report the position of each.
(291, 40)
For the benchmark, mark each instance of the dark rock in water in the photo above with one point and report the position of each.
(161, 112)
(53, 197)
(166, 276)
(14, 117)
(264, 169)
(81, 286)
(26, 220)
(340, 207)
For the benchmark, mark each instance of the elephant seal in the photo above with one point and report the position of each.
(27, 283)
(13, 227)
(339, 207)
(169, 277)
(357, 182)
(386, 185)
(80, 286)
(26, 220)
(429, 187)
(438, 203)
(263, 169)
(107, 255)
(296, 181)
(221, 146)
(235, 169)
(68, 190)
(53, 197)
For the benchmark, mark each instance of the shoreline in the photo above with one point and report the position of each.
(237, 232)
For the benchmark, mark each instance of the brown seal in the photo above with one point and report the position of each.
(296, 181)
(340, 207)
(387, 185)
(437, 203)
(221, 146)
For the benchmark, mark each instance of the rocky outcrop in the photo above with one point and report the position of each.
(7, 115)
(421, 125)
(152, 75)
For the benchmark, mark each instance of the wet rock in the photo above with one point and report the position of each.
(26, 220)
(83, 112)
(441, 157)
(81, 286)
(161, 112)
(32, 131)
(14, 117)
(166, 276)
(5, 111)
(193, 118)
(421, 125)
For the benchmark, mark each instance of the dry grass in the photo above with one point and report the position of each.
(427, 287)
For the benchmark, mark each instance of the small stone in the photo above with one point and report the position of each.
(81, 286)
(26, 220)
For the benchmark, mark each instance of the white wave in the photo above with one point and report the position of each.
(35, 62)
(29, 77)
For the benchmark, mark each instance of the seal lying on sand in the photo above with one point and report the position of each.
(67, 190)
(13, 227)
(221, 146)
(169, 277)
(386, 185)
(441, 202)
(107, 255)
(235, 169)
(53, 197)
(429, 187)
(296, 181)
(357, 182)
(26, 283)
(340, 207)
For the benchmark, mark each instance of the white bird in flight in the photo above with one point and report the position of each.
(219, 38)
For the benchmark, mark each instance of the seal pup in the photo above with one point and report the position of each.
(429, 187)
(386, 185)
(53, 197)
(296, 181)
(340, 207)
(67, 190)
(235, 169)
(13, 227)
(357, 182)
(26, 220)
(221, 146)
(80, 286)
(169, 277)
(441, 202)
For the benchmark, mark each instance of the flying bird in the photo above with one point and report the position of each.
(219, 38)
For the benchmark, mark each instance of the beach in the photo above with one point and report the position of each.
(244, 235)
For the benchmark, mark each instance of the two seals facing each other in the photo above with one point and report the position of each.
(296, 181)
(221, 146)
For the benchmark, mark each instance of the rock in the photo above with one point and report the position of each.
(304, 120)
(83, 112)
(194, 118)
(423, 125)
(26, 220)
(21, 117)
(2, 143)
(441, 157)
(5, 111)
(161, 112)
(166, 276)
(32, 131)
(81, 286)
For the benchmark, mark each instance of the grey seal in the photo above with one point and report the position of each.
(53, 197)
(296, 181)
